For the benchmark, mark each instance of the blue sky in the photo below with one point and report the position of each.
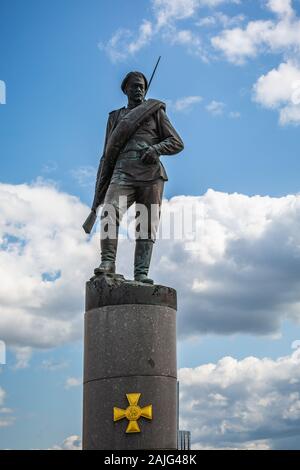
(229, 73)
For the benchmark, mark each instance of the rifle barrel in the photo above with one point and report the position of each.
(152, 74)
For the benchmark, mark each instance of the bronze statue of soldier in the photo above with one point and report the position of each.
(130, 171)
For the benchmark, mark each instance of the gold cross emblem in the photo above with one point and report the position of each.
(133, 412)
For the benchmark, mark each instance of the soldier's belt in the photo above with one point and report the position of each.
(130, 155)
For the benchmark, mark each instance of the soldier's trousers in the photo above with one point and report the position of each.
(120, 197)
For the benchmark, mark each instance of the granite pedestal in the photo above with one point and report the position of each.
(129, 348)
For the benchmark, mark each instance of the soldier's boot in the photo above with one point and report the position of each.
(142, 258)
(108, 256)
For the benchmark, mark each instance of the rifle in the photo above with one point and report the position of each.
(91, 219)
(153, 73)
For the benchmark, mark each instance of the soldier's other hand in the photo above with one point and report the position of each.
(150, 156)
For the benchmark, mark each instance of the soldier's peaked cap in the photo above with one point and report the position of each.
(133, 75)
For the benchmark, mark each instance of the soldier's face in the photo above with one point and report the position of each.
(135, 90)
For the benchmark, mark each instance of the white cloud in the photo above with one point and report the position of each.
(215, 108)
(295, 344)
(85, 175)
(280, 89)
(277, 88)
(187, 38)
(53, 365)
(23, 355)
(186, 103)
(125, 43)
(238, 44)
(243, 274)
(281, 7)
(72, 382)
(2, 396)
(207, 21)
(2, 353)
(116, 47)
(70, 443)
(290, 115)
(220, 18)
(6, 410)
(144, 37)
(170, 10)
(45, 259)
(50, 167)
(279, 35)
(243, 267)
(167, 13)
(5, 413)
(234, 115)
(7, 421)
(251, 403)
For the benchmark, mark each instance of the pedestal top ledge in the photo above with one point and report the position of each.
(108, 289)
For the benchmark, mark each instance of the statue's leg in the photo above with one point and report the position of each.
(118, 198)
(150, 197)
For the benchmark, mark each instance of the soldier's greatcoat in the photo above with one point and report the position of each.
(155, 130)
